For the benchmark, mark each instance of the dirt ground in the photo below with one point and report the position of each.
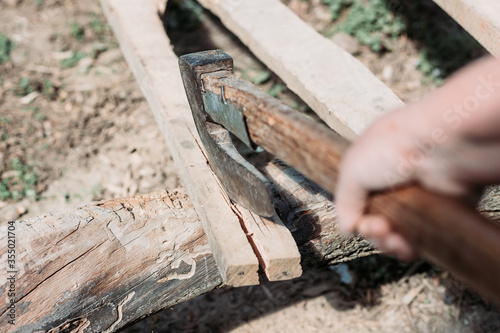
(74, 127)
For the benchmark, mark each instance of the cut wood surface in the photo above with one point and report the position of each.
(102, 266)
(147, 50)
(481, 18)
(339, 88)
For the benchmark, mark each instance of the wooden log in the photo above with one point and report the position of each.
(339, 88)
(147, 50)
(481, 18)
(99, 267)
(309, 212)
(102, 266)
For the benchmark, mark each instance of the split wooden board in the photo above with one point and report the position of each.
(147, 49)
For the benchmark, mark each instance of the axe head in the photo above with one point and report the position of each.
(242, 181)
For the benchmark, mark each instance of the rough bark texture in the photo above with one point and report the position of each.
(309, 213)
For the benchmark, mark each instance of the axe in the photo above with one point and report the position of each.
(441, 229)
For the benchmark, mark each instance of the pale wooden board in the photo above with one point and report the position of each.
(481, 18)
(270, 237)
(148, 52)
(339, 88)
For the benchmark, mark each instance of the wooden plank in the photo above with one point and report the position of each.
(148, 52)
(481, 18)
(271, 238)
(339, 88)
(98, 267)
(247, 19)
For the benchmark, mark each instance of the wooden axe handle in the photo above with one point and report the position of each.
(441, 229)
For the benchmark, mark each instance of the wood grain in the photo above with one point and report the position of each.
(98, 267)
(442, 229)
(292, 137)
(481, 18)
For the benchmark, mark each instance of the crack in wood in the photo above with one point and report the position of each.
(53, 274)
(77, 227)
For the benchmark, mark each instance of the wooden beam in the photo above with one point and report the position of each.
(339, 88)
(481, 18)
(99, 267)
(147, 50)
(102, 266)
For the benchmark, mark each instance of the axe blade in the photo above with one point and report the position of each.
(242, 181)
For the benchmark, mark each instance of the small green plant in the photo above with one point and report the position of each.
(444, 45)
(6, 47)
(73, 60)
(26, 86)
(336, 6)
(49, 90)
(77, 31)
(261, 77)
(98, 26)
(371, 22)
(276, 90)
(18, 181)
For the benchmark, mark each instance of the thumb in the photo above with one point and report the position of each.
(350, 199)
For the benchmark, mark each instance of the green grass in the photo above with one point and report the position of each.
(26, 87)
(371, 22)
(6, 47)
(276, 90)
(18, 181)
(73, 60)
(444, 45)
(261, 77)
(77, 31)
(99, 26)
(49, 90)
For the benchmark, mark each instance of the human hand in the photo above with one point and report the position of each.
(448, 142)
